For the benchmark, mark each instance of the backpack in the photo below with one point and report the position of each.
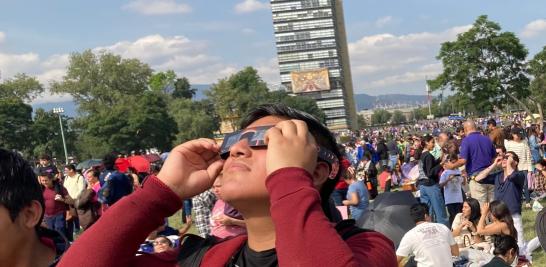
(194, 247)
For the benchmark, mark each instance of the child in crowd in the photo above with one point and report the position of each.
(451, 181)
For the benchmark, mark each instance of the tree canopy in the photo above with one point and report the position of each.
(485, 64)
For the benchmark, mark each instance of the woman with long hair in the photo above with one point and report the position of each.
(465, 223)
(429, 170)
(501, 220)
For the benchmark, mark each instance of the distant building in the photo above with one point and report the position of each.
(313, 56)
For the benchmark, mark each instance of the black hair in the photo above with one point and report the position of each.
(322, 135)
(45, 157)
(503, 243)
(109, 161)
(94, 172)
(501, 147)
(418, 212)
(514, 157)
(18, 184)
(542, 162)
(427, 138)
(71, 167)
(500, 211)
(475, 211)
(492, 122)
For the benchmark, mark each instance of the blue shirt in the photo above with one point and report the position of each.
(478, 151)
(509, 190)
(362, 192)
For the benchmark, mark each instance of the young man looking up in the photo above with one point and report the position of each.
(279, 186)
(24, 242)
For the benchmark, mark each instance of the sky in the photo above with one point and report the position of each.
(392, 44)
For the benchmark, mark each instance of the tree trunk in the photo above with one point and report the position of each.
(520, 103)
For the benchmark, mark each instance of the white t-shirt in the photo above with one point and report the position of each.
(452, 190)
(430, 243)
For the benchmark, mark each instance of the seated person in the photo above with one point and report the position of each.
(439, 246)
(278, 171)
(162, 243)
(501, 220)
(506, 251)
(465, 224)
(385, 179)
(225, 221)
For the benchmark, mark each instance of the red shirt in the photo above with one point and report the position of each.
(53, 207)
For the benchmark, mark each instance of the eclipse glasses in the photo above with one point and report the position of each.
(256, 138)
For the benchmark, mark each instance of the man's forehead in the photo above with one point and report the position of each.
(266, 121)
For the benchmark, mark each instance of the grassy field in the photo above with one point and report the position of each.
(529, 216)
(539, 256)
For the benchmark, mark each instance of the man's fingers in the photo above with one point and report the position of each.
(288, 128)
(272, 134)
(215, 169)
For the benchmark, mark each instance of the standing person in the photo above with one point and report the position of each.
(340, 191)
(114, 185)
(87, 204)
(431, 193)
(495, 134)
(46, 166)
(521, 148)
(357, 195)
(56, 199)
(24, 241)
(476, 154)
(226, 221)
(367, 172)
(451, 181)
(272, 173)
(508, 188)
(202, 205)
(393, 153)
(534, 144)
(431, 243)
(74, 184)
(382, 152)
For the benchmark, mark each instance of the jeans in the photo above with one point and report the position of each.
(56, 222)
(393, 159)
(526, 188)
(432, 196)
(453, 209)
(186, 209)
(339, 195)
(72, 227)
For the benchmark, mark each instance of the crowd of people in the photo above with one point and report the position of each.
(279, 192)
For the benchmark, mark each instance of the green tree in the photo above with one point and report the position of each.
(194, 119)
(485, 64)
(160, 81)
(182, 89)
(100, 81)
(380, 116)
(236, 95)
(537, 68)
(398, 117)
(302, 103)
(15, 124)
(362, 123)
(21, 86)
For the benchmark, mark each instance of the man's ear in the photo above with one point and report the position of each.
(31, 215)
(320, 174)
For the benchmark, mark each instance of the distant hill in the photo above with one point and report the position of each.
(365, 101)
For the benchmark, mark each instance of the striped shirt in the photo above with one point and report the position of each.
(523, 151)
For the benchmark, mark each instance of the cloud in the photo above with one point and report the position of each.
(157, 7)
(381, 22)
(249, 6)
(268, 69)
(2, 37)
(388, 60)
(534, 28)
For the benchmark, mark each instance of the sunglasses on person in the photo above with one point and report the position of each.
(255, 137)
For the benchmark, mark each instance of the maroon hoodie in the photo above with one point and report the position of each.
(305, 237)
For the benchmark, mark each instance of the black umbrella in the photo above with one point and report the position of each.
(389, 214)
(86, 164)
(540, 228)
